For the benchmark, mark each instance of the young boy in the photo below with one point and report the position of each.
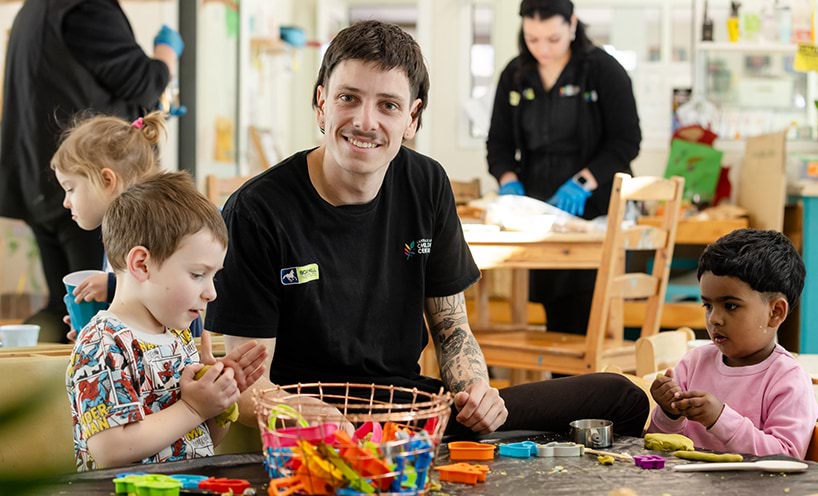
(130, 378)
(743, 393)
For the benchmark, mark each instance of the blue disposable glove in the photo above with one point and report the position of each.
(571, 197)
(512, 188)
(170, 37)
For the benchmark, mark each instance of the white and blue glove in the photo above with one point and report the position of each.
(170, 37)
(571, 197)
(512, 188)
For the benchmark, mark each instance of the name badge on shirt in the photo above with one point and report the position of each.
(569, 90)
(299, 275)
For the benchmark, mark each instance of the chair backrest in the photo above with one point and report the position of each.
(613, 285)
(661, 351)
(217, 189)
(466, 191)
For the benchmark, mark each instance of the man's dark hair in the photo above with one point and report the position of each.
(766, 260)
(383, 44)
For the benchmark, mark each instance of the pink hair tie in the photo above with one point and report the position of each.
(139, 124)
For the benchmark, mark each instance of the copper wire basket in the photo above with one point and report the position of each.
(342, 438)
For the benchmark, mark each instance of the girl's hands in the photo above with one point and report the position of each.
(92, 288)
(700, 406)
(665, 392)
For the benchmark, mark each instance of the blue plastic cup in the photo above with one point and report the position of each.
(80, 313)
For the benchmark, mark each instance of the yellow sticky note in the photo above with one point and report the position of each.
(806, 58)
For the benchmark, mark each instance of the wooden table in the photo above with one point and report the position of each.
(521, 251)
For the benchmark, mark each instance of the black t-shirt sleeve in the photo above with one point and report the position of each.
(451, 268)
(247, 303)
(97, 33)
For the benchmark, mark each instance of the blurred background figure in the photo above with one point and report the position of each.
(564, 122)
(65, 57)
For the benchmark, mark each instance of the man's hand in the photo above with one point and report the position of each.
(665, 391)
(92, 288)
(700, 406)
(247, 361)
(480, 408)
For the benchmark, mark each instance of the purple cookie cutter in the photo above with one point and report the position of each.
(649, 461)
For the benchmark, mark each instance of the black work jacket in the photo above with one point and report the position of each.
(607, 122)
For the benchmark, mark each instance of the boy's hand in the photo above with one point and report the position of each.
(212, 393)
(92, 288)
(700, 406)
(480, 408)
(247, 361)
(665, 391)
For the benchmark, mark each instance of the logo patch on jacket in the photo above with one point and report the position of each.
(299, 275)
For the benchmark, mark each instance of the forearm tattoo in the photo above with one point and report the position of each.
(461, 361)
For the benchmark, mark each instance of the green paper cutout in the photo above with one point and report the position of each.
(699, 165)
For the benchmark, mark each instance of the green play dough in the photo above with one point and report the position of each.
(231, 414)
(668, 442)
(708, 457)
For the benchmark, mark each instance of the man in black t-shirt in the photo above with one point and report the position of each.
(336, 254)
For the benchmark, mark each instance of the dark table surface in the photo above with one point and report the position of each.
(508, 476)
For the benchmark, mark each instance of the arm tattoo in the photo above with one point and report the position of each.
(461, 361)
(459, 355)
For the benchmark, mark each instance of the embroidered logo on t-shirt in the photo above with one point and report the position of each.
(419, 247)
(299, 275)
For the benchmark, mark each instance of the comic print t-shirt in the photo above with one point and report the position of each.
(117, 375)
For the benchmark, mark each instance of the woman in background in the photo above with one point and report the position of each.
(564, 122)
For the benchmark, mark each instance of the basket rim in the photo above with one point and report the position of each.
(430, 404)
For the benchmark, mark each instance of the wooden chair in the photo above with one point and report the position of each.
(466, 191)
(661, 351)
(217, 189)
(604, 345)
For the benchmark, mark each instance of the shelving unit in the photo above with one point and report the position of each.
(752, 83)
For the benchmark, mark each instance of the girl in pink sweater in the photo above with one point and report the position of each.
(743, 393)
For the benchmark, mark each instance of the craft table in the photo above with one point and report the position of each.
(508, 476)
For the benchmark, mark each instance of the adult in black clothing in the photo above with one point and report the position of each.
(564, 122)
(336, 253)
(64, 57)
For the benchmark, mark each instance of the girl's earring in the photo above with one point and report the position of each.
(573, 35)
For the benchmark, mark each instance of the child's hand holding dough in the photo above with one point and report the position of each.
(665, 391)
(699, 406)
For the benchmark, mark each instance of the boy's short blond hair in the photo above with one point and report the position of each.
(158, 213)
(105, 141)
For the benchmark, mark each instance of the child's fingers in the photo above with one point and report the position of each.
(206, 349)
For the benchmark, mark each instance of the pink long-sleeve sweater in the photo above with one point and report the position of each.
(769, 407)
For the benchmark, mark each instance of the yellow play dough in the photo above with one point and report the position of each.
(708, 457)
(668, 442)
(605, 459)
(231, 414)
